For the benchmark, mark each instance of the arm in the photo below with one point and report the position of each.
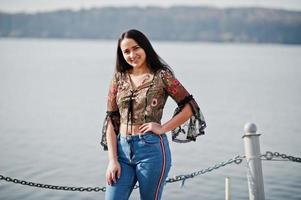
(111, 142)
(173, 123)
(187, 111)
(178, 119)
(110, 128)
(113, 170)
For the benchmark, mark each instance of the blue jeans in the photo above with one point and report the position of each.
(144, 158)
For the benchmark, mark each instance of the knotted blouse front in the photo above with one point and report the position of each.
(134, 106)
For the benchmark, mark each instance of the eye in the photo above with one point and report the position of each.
(126, 51)
(136, 47)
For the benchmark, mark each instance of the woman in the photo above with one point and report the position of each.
(132, 133)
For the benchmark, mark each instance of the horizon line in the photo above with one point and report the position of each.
(145, 6)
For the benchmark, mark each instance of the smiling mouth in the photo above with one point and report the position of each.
(135, 61)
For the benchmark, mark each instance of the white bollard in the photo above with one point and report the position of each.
(252, 151)
(227, 188)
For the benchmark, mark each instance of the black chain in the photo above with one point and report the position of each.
(52, 187)
(271, 155)
(237, 160)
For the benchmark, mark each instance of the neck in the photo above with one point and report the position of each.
(140, 71)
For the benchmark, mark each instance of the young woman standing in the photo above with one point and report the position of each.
(133, 133)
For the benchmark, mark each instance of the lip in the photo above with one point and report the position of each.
(135, 61)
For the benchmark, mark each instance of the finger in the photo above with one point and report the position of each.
(146, 130)
(118, 173)
(113, 175)
(109, 179)
(143, 130)
(142, 126)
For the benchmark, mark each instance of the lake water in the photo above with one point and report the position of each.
(53, 101)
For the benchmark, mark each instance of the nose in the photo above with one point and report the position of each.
(132, 54)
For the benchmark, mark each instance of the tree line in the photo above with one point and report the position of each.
(179, 23)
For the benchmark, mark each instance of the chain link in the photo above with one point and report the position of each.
(52, 187)
(272, 155)
(237, 160)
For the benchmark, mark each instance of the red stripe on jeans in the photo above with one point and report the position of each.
(163, 167)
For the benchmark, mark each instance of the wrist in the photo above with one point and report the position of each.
(163, 128)
(113, 159)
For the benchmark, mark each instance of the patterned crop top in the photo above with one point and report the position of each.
(133, 106)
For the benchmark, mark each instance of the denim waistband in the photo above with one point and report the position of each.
(138, 136)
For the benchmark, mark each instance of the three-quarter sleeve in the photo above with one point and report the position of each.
(112, 113)
(196, 124)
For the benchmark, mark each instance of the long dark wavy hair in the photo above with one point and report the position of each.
(154, 61)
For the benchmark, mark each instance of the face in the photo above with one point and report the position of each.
(133, 53)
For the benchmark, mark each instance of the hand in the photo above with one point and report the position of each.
(152, 126)
(113, 172)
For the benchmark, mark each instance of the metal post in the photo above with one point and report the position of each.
(227, 188)
(252, 151)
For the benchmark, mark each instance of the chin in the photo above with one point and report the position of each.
(136, 65)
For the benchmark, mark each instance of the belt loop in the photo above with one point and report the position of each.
(128, 138)
(141, 138)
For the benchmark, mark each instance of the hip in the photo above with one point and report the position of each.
(143, 147)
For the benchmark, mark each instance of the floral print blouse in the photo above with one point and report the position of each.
(133, 106)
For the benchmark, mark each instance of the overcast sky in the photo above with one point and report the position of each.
(46, 5)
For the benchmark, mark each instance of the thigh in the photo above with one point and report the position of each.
(152, 170)
(122, 189)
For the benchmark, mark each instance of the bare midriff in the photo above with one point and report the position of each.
(134, 128)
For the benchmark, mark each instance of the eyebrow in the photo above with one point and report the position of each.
(137, 45)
